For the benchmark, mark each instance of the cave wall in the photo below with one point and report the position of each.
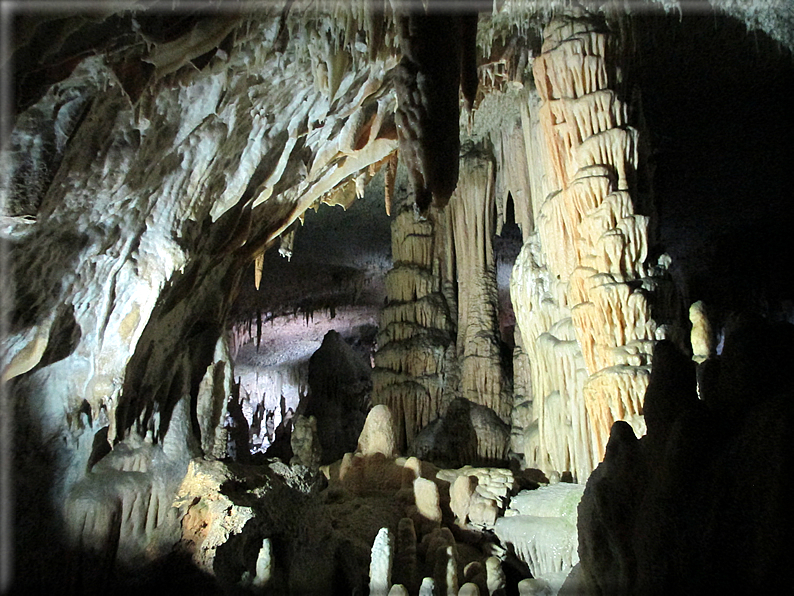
(126, 264)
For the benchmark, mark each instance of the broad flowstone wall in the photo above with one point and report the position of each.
(127, 256)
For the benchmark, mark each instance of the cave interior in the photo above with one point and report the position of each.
(390, 297)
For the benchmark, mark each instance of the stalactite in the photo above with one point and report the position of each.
(388, 182)
(259, 263)
(427, 85)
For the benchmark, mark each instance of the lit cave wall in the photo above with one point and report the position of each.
(397, 298)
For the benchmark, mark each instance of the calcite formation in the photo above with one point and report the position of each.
(470, 214)
(156, 158)
(124, 317)
(439, 333)
(439, 57)
(581, 286)
(541, 526)
(416, 329)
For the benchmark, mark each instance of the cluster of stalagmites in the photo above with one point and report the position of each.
(415, 528)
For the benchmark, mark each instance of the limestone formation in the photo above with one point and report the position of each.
(339, 386)
(377, 436)
(581, 286)
(380, 567)
(702, 336)
(495, 576)
(460, 493)
(153, 439)
(541, 525)
(306, 447)
(471, 216)
(415, 338)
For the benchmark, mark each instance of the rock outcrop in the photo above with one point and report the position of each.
(698, 504)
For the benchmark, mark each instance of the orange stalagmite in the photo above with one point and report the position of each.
(581, 288)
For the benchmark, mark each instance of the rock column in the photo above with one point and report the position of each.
(581, 287)
(415, 339)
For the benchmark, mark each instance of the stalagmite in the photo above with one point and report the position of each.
(469, 589)
(380, 567)
(460, 494)
(426, 499)
(446, 573)
(378, 433)
(495, 575)
(581, 289)
(428, 587)
(264, 565)
(405, 569)
(702, 336)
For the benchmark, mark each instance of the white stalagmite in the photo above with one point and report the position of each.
(495, 575)
(426, 498)
(264, 565)
(380, 565)
(428, 587)
(702, 336)
(541, 526)
(377, 436)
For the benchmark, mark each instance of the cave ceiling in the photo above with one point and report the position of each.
(709, 146)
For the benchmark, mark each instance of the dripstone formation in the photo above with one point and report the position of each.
(396, 298)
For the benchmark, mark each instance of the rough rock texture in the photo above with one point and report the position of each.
(471, 217)
(156, 157)
(440, 335)
(541, 526)
(700, 504)
(415, 341)
(439, 56)
(126, 272)
(338, 397)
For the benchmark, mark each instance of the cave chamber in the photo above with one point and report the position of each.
(397, 298)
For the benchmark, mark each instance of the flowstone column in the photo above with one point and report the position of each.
(471, 214)
(416, 330)
(581, 286)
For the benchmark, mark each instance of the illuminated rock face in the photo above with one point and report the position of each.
(416, 330)
(126, 264)
(471, 215)
(581, 286)
(439, 335)
(149, 178)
